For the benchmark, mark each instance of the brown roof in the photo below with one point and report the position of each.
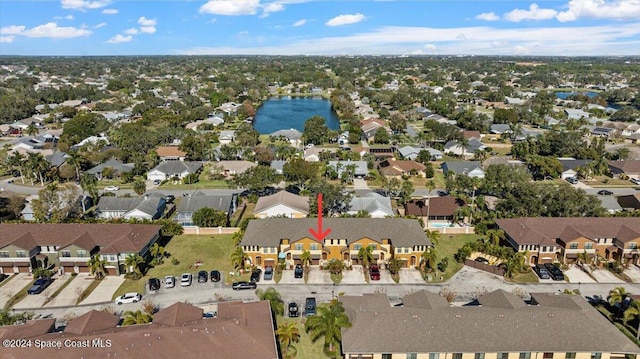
(471, 134)
(90, 322)
(440, 206)
(288, 199)
(630, 201)
(628, 166)
(240, 330)
(545, 230)
(393, 167)
(502, 325)
(170, 151)
(83, 241)
(123, 237)
(30, 329)
(178, 314)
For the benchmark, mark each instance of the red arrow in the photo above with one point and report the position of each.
(319, 234)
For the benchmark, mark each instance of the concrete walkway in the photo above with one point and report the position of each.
(15, 284)
(360, 183)
(317, 276)
(576, 275)
(633, 272)
(70, 294)
(105, 290)
(604, 276)
(353, 276)
(411, 276)
(37, 300)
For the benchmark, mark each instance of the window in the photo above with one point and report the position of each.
(356, 247)
(544, 249)
(526, 355)
(65, 254)
(570, 356)
(412, 355)
(457, 356)
(373, 246)
(434, 355)
(298, 247)
(573, 245)
(596, 355)
(4, 254)
(547, 355)
(81, 253)
(633, 245)
(314, 247)
(503, 355)
(21, 254)
(479, 356)
(588, 246)
(386, 356)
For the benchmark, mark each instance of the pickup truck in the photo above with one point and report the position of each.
(39, 285)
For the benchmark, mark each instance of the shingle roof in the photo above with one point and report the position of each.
(628, 166)
(288, 199)
(440, 206)
(90, 322)
(178, 314)
(30, 329)
(171, 151)
(460, 167)
(571, 164)
(402, 232)
(371, 202)
(148, 205)
(194, 203)
(501, 299)
(291, 134)
(112, 163)
(506, 327)
(171, 167)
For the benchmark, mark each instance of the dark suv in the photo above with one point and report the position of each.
(39, 285)
(154, 284)
(293, 310)
(255, 275)
(202, 276)
(215, 276)
(554, 272)
(268, 273)
(297, 273)
(542, 272)
(310, 306)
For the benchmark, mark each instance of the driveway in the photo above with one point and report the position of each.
(37, 300)
(576, 275)
(15, 284)
(359, 183)
(604, 276)
(317, 276)
(410, 275)
(353, 276)
(289, 278)
(104, 291)
(70, 294)
(633, 272)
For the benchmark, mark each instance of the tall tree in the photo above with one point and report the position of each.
(275, 301)
(97, 266)
(365, 254)
(55, 203)
(315, 130)
(139, 186)
(136, 317)
(305, 258)
(17, 161)
(133, 263)
(617, 296)
(288, 334)
(89, 184)
(238, 258)
(209, 217)
(428, 260)
(328, 324)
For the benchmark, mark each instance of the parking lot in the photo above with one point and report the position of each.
(15, 284)
(38, 300)
(104, 291)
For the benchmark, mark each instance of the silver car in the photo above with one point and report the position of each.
(169, 281)
(186, 279)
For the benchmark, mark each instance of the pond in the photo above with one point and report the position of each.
(563, 95)
(283, 113)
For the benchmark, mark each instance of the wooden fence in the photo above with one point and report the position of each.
(485, 267)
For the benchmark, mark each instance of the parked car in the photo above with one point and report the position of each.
(604, 192)
(297, 273)
(202, 276)
(112, 188)
(215, 276)
(542, 272)
(169, 281)
(156, 182)
(310, 306)
(244, 285)
(268, 273)
(293, 310)
(255, 275)
(129, 298)
(635, 180)
(482, 260)
(154, 283)
(171, 198)
(554, 272)
(186, 279)
(374, 272)
(39, 285)
(572, 180)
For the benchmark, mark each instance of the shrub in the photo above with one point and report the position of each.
(175, 261)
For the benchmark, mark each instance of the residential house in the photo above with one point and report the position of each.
(610, 204)
(361, 169)
(292, 135)
(434, 209)
(500, 128)
(179, 330)
(469, 168)
(632, 129)
(278, 166)
(26, 246)
(313, 154)
(56, 159)
(92, 140)
(514, 101)
(374, 204)
(147, 207)
(571, 166)
(399, 168)
(547, 240)
(282, 204)
(173, 169)
(39, 142)
(630, 168)
(599, 131)
(213, 119)
(410, 152)
(226, 137)
(426, 326)
(170, 153)
(630, 202)
(232, 168)
(267, 240)
(230, 108)
(371, 125)
(190, 204)
(576, 114)
(113, 166)
(473, 145)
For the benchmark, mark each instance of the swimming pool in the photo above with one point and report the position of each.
(440, 225)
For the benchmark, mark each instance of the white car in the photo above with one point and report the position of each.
(169, 281)
(635, 180)
(129, 298)
(186, 279)
(112, 188)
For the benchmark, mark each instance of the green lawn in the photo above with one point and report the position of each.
(528, 277)
(306, 349)
(213, 250)
(447, 247)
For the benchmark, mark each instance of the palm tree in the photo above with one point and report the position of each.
(617, 296)
(305, 258)
(89, 184)
(17, 161)
(97, 266)
(622, 153)
(139, 186)
(238, 258)
(75, 160)
(428, 259)
(31, 130)
(287, 334)
(365, 254)
(272, 295)
(434, 236)
(137, 317)
(328, 324)
(38, 165)
(157, 251)
(133, 261)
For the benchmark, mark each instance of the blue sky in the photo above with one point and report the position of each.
(307, 27)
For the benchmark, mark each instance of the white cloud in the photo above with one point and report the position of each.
(499, 43)
(110, 11)
(83, 5)
(430, 47)
(69, 17)
(119, 39)
(131, 31)
(146, 22)
(102, 24)
(521, 50)
(488, 16)
(271, 8)
(534, 13)
(601, 9)
(461, 37)
(230, 7)
(147, 30)
(48, 30)
(299, 22)
(7, 38)
(345, 19)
